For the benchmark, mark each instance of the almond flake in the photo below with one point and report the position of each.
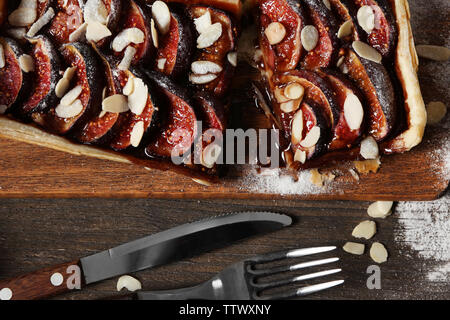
(41, 22)
(26, 63)
(3, 108)
(205, 67)
(290, 106)
(155, 38)
(210, 155)
(340, 62)
(354, 248)
(69, 73)
(309, 37)
(300, 156)
(137, 100)
(366, 18)
(275, 33)
(127, 36)
(136, 134)
(129, 87)
(345, 29)
(78, 33)
(311, 137)
(232, 58)
(95, 11)
(22, 17)
(436, 111)
(202, 79)
(17, 33)
(127, 58)
(2, 57)
(353, 111)
(161, 63)
(436, 53)
(378, 253)
(365, 229)
(279, 95)
(354, 174)
(294, 91)
(209, 37)
(61, 87)
(96, 31)
(32, 4)
(161, 15)
(128, 282)
(297, 127)
(380, 209)
(115, 104)
(71, 96)
(327, 4)
(367, 52)
(105, 89)
(69, 111)
(369, 148)
(203, 23)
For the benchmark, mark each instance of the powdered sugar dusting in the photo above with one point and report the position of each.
(425, 228)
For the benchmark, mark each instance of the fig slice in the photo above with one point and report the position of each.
(347, 96)
(134, 17)
(383, 36)
(83, 57)
(14, 83)
(284, 55)
(100, 124)
(179, 129)
(375, 83)
(68, 19)
(218, 52)
(130, 128)
(315, 131)
(47, 65)
(316, 89)
(325, 52)
(176, 47)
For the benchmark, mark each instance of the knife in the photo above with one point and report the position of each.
(162, 248)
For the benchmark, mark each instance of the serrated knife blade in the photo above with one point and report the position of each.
(179, 243)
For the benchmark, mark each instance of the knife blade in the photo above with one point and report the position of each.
(154, 250)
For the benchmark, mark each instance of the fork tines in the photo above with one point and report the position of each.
(288, 254)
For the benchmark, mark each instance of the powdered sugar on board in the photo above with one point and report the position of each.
(425, 228)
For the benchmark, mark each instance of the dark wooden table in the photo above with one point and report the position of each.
(38, 233)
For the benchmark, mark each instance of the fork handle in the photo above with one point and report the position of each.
(199, 292)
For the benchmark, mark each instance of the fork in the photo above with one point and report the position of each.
(239, 281)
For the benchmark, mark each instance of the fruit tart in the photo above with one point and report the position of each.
(123, 80)
(341, 78)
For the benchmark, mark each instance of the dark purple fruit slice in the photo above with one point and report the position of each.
(317, 90)
(176, 47)
(343, 137)
(14, 83)
(84, 58)
(218, 52)
(285, 55)
(383, 36)
(179, 130)
(47, 65)
(101, 123)
(134, 17)
(374, 82)
(42, 6)
(325, 52)
(313, 117)
(341, 7)
(121, 133)
(66, 21)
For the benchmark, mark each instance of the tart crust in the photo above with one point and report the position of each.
(406, 68)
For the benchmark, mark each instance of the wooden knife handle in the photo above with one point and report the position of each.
(44, 283)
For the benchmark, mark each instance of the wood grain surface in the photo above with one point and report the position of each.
(30, 171)
(37, 233)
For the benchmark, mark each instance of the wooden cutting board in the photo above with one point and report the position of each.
(423, 174)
